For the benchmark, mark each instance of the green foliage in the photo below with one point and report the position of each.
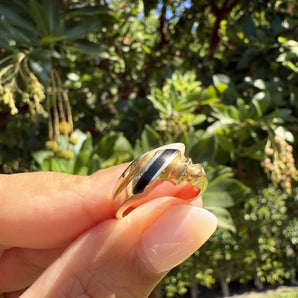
(84, 158)
(219, 76)
(262, 249)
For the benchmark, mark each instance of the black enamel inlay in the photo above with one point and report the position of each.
(151, 171)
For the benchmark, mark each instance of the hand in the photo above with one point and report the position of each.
(59, 236)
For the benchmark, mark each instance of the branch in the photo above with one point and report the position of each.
(220, 14)
(163, 30)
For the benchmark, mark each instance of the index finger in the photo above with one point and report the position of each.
(47, 209)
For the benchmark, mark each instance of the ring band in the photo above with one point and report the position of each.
(151, 168)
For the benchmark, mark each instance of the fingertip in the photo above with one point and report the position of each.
(175, 235)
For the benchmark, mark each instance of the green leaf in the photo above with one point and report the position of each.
(82, 158)
(257, 108)
(83, 171)
(225, 193)
(52, 14)
(156, 103)
(263, 100)
(41, 155)
(149, 139)
(146, 49)
(255, 151)
(92, 48)
(94, 164)
(225, 142)
(247, 58)
(105, 147)
(4, 44)
(204, 149)
(18, 21)
(45, 40)
(285, 134)
(198, 119)
(81, 29)
(38, 14)
(46, 165)
(89, 11)
(221, 80)
(87, 145)
(122, 145)
(224, 218)
(14, 33)
(56, 165)
(248, 26)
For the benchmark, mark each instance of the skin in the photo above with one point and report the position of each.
(59, 236)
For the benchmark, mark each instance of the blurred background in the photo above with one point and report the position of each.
(85, 85)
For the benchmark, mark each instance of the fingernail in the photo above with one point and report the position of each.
(174, 236)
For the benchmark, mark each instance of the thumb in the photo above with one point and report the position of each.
(127, 257)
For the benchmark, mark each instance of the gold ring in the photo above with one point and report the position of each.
(151, 168)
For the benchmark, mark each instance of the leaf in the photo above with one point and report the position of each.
(247, 57)
(81, 137)
(87, 145)
(14, 33)
(122, 145)
(105, 147)
(263, 100)
(89, 11)
(38, 14)
(255, 151)
(248, 26)
(45, 40)
(204, 149)
(46, 165)
(94, 164)
(4, 44)
(18, 21)
(41, 69)
(257, 108)
(41, 155)
(285, 134)
(276, 24)
(221, 79)
(81, 29)
(55, 165)
(157, 104)
(52, 15)
(224, 218)
(146, 49)
(226, 193)
(92, 48)
(83, 171)
(149, 139)
(225, 142)
(198, 119)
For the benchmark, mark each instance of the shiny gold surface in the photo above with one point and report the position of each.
(148, 170)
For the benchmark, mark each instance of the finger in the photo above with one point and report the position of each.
(128, 257)
(23, 266)
(20, 267)
(43, 210)
(47, 210)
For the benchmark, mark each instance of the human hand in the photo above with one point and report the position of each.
(59, 236)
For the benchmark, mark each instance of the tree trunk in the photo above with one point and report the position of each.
(258, 284)
(224, 286)
(194, 288)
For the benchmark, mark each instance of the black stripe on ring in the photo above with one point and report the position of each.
(151, 171)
